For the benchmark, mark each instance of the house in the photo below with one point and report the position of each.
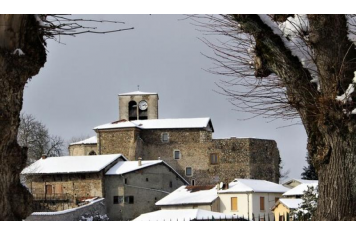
(295, 182)
(186, 144)
(191, 197)
(245, 198)
(282, 209)
(59, 183)
(250, 198)
(183, 215)
(133, 187)
(298, 191)
(291, 200)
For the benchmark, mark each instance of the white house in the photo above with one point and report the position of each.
(250, 198)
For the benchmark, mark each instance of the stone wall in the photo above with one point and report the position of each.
(75, 214)
(237, 158)
(147, 186)
(82, 149)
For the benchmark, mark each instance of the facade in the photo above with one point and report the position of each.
(84, 148)
(133, 187)
(245, 198)
(282, 209)
(185, 144)
(60, 183)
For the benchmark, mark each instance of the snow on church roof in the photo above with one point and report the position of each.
(254, 185)
(137, 93)
(71, 164)
(159, 124)
(184, 196)
(91, 140)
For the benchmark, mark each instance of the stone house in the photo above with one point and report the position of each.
(185, 144)
(60, 183)
(84, 148)
(133, 187)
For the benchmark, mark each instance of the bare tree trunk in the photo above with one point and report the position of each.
(16, 32)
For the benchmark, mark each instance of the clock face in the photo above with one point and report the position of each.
(143, 105)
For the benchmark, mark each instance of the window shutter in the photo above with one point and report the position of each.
(262, 203)
(234, 203)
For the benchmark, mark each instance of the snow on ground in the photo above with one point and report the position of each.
(181, 215)
(71, 164)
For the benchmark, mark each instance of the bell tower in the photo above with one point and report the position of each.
(138, 105)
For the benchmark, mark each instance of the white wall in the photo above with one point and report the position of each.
(248, 203)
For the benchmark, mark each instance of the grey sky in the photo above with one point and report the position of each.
(77, 89)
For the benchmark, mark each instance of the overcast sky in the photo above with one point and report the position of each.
(78, 87)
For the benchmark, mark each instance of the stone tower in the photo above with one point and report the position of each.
(138, 106)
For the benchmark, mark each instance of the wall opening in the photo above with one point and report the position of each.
(132, 110)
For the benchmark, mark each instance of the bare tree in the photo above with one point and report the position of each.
(298, 66)
(34, 135)
(22, 55)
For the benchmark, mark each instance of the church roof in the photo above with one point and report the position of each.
(185, 123)
(71, 164)
(137, 93)
(91, 140)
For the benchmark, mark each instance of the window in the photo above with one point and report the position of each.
(234, 204)
(193, 182)
(118, 199)
(188, 171)
(176, 154)
(49, 189)
(146, 179)
(165, 137)
(125, 181)
(214, 158)
(262, 203)
(170, 184)
(129, 199)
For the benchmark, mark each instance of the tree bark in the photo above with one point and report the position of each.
(331, 133)
(16, 32)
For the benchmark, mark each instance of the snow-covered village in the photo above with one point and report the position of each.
(154, 117)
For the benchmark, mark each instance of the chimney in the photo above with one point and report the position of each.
(226, 184)
(139, 161)
(44, 156)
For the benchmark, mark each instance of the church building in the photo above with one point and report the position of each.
(186, 144)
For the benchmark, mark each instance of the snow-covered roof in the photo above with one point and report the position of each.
(302, 181)
(289, 203)
(91, 140)
(254, 185)
(71, 164)
(121, 168)
(299, 190)
(136, 93)
(159, 124)
(124, 167)
(186, 196)
(182, 215)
